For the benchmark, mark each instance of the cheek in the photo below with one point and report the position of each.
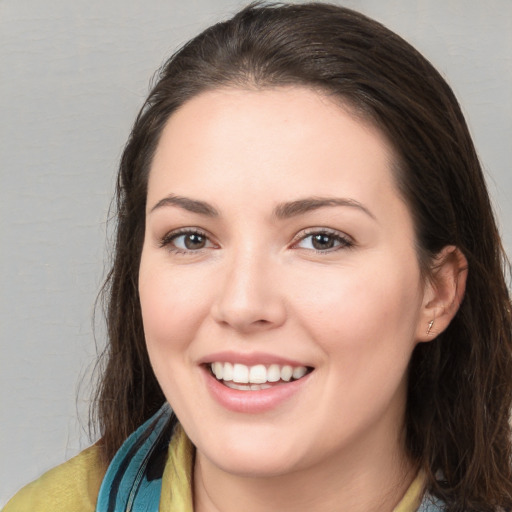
(172, 299)
(172, 306)
(365, 328)
(170, 312)
(359, 312)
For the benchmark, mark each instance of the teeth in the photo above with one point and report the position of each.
(298, 372)
(227, 372)
(256, 387)
(217, 369)
(240, 373)
(240, 387)
(286, 373)
(257, 376)
(273, 373)
(247, 387)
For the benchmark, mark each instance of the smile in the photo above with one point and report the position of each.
(255, 378)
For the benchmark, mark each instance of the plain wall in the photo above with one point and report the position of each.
(74, 74)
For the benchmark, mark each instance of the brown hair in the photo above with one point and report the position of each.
(460, 386)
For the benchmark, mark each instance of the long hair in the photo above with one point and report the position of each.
(460, 385)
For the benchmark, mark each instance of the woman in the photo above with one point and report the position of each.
(308, 272)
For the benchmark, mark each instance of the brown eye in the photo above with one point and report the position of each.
(193, 241)
(322, 241)
(186, 241)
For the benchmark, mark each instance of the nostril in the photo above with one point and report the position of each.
(245, 313)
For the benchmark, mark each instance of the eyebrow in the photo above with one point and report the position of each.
(191, 205)
(301, 206)
(281, 211)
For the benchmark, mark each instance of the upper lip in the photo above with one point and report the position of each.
(250, 359)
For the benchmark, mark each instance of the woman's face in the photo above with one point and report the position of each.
(277, 243)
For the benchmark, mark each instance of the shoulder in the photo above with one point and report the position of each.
(72, 486)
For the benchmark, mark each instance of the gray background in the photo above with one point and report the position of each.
(73, 75)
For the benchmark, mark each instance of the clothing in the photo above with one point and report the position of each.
(75, 485)
(69, 487)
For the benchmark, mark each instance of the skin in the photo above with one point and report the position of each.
(353, 312)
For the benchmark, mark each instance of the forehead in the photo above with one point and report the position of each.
(262, 143)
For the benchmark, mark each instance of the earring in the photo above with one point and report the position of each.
(430, 325)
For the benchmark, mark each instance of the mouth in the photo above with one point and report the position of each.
(257, 377)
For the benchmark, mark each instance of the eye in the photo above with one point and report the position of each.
(184, 241)
(324, 241)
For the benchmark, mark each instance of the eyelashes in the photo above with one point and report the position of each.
(318, 240)
(322, 240)
(188, 240)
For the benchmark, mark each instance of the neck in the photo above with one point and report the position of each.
(371, 478)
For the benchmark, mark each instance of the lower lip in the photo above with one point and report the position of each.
(253, 402)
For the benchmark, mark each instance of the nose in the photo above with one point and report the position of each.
(250, 298)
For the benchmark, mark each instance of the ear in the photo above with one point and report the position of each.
(444, 291)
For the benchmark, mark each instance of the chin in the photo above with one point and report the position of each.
(249, 453)
(262, 465)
